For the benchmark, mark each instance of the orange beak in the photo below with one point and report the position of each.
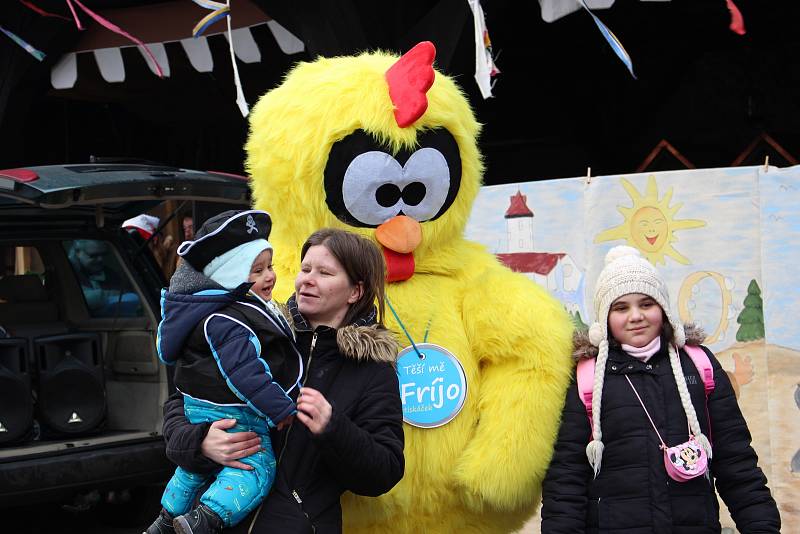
(399, 236)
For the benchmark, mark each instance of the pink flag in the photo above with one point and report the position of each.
(737, 21)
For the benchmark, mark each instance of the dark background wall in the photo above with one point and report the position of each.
(563, 101)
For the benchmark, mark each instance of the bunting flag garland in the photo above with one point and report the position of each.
(219, 10)
(114, 28)
(737, 20)
(75, 15)
(35, 52)
(485, 69)
(41, 11)
(240, 101)
(616, 45)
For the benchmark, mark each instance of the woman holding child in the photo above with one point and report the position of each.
(347, 434)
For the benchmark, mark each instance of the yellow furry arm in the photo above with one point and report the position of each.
(522, 337)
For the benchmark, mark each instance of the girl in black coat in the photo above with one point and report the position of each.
(608, 472)
(348, 435)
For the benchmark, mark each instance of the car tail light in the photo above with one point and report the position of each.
(19, 175)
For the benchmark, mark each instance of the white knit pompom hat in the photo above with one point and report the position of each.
(626, 272)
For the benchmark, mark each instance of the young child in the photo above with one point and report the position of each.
(232, 349)
(610, 471)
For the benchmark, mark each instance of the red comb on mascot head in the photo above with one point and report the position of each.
(386, 147)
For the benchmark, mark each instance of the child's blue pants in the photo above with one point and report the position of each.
(234, 492)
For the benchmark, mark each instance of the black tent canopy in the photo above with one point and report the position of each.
(563, 101)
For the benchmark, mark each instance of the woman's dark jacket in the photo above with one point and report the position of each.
(360, 451)
(633, 493)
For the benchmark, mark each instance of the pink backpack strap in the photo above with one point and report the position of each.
(703, 364)
(585, 377)
(585, 380)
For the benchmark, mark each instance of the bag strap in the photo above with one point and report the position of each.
(663, 445)
(585, 379)
(703, 364)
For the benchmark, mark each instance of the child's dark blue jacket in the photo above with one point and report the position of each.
(227, 348)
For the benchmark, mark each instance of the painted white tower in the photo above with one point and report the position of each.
(519, 224)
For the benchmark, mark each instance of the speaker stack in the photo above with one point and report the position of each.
(71, 396)
(16, 400)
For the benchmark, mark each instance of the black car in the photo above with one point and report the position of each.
(81, 387)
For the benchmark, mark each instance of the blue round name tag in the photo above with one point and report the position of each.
(432, 388)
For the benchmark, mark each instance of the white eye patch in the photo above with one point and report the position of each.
(376, 187)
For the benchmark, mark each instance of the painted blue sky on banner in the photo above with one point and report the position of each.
(710, 232)
(780, 228)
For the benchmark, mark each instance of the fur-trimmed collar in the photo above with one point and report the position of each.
(359, 341)
(582, 349)
(375, 343)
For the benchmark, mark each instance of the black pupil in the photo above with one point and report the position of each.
(387, 195)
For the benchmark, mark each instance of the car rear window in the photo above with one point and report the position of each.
(24, 295)
(20, 260)
(105, 285)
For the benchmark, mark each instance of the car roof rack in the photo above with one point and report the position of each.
(123, 159)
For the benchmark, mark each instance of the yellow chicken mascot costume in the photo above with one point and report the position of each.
(386, 147)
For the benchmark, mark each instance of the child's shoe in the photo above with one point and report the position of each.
(162, 524)
(200, 520)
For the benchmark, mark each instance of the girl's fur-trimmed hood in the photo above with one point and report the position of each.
(582, 349)
(361, 343)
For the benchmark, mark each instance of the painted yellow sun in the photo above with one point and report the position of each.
(650, 224)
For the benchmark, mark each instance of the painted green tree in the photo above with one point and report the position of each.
(751, 319)
(577, 321)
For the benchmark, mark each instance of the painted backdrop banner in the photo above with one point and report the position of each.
(727, 242)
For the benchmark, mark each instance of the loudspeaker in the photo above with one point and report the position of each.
(71, 391)
(16, 400)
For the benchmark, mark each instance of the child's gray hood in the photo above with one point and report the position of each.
(188, 280)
